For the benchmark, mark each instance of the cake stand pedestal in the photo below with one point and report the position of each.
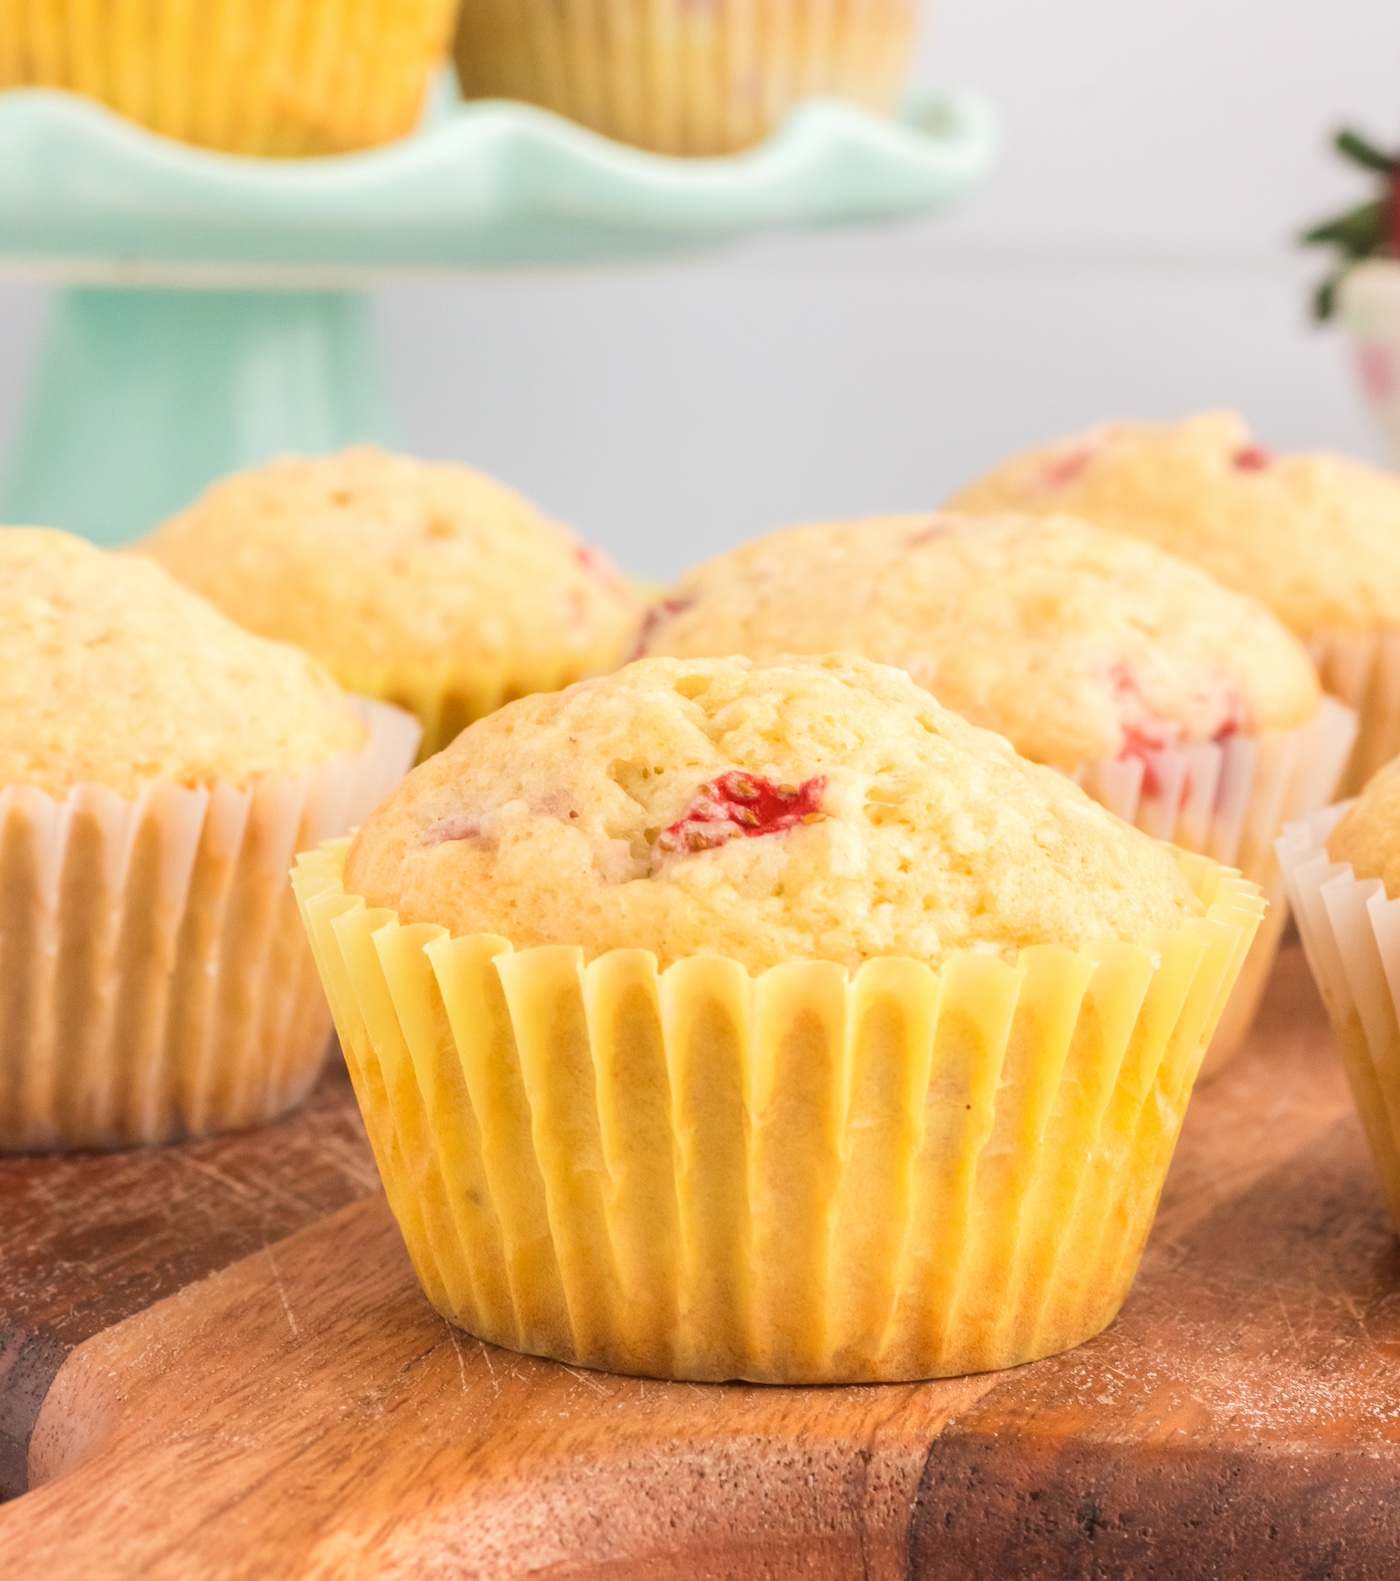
(212, 309)
(141, 397)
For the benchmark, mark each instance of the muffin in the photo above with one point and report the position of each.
(1342, 867)
(729, 1019)
(1184, 707)
(685, 79)
(426, 584)
(159, 769)
(294, 77)
(1315, 537)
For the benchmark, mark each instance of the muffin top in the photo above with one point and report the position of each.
(1315, 537)
(1368, 833)
(1073, 642)
(373, 561)
(773, 810)
(111, 673)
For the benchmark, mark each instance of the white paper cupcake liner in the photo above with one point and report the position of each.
(1351, 935)
(1362, 668)
(154, 979)
(1229, 801)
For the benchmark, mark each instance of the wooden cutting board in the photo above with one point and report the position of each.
(303, 1412)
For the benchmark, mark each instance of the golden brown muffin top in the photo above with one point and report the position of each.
(376, 562)
(111, 673)
(1315, 537)
(775, 810)
(1073, 642)
(1368, 833)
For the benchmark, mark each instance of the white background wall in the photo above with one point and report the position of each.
(1132, 255)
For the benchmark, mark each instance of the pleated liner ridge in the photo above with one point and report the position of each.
(803, 1177)
(446, 699)
(682, 78)
(1229, 800)
(1351, 932)
(154, 977)
(267, 77)
(1362, 668)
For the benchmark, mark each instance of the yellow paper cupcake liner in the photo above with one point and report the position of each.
(1362, 668)
(445, 699)
(272, 77)
(801, 1177)
(1351, 934)
(1230, 801)
(682, 78)
(154, 976)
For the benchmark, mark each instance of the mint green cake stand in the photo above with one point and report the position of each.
(211, 310)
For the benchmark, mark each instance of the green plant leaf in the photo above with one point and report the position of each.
(1324, 302)
(1359, 233)
(1366, 154)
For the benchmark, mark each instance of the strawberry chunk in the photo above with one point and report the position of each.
(598, 565)
(456, 826)
(1144, 735)
(1063, 470)
(656, 616)
(738, 804)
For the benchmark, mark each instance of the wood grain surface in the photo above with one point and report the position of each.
(88, 1239)
(304, 1413)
